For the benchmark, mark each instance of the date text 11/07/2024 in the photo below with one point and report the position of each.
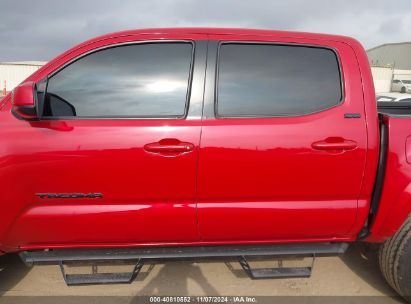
(203, 299)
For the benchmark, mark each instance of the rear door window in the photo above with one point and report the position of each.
(269, 80)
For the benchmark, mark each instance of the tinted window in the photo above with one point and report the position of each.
(141, 80)
(276, 80)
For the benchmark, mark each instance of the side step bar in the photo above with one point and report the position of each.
(277, 272)
(101, 278)
(138, 256)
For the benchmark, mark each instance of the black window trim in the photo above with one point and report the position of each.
(294, 44)
(123, 117)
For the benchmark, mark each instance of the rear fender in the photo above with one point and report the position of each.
(389, 221)
(395, 203)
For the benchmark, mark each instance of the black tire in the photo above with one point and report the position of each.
(395, 260)
(403, 90)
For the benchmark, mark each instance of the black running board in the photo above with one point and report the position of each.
(56, 256)
(138, 256)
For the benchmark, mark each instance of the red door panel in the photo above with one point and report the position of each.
(147, 197)
(283, 177)
(145, 169)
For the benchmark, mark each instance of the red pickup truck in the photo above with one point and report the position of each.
(204, 143)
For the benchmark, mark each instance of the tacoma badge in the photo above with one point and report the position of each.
(70, 195)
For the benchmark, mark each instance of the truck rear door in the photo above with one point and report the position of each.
(283, 144)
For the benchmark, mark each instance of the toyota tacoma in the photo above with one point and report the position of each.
(205, 143)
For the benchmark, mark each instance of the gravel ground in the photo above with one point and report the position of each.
(354, 275)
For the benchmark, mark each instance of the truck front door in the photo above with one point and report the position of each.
(113, 158)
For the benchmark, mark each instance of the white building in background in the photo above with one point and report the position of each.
(395, 55)
(13, 73)
(388, 62)
(382, 79)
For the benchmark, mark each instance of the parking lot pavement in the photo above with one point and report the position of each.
(354, 274)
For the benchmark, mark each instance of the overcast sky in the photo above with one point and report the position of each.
(40, 30)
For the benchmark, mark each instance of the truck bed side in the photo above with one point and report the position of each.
(395, 203)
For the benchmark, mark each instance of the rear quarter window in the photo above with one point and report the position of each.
(269, 80)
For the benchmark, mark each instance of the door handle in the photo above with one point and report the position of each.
(169, 146)
(335, 143)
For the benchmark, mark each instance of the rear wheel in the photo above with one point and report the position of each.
(395, 260)
(403, 90)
